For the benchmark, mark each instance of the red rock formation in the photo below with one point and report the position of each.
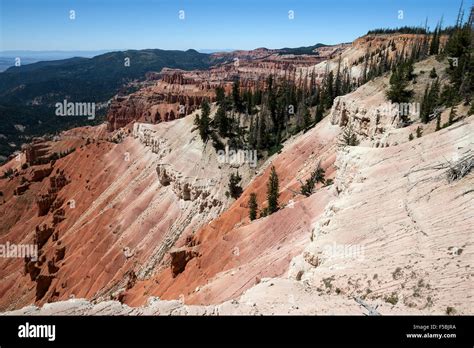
(42, 235)
(59, 254)
(58, 216)
(36, 152)
(121, 203)
(31, 269)
(180, 257)
(43, 283)
(38, 174)
(21, 189)
(178, 93)
(44, 203)
(58, 181)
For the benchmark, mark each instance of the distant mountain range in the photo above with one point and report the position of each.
(29, 92)
(8, 58)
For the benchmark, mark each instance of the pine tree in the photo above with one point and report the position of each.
(273, 191)
(348, 137)
(318, 114)
(262, 135)
(425, 47)
(203, 121)
(234, 189)
(316, 176)
(438, 122)
(251, 139)
(430, 101)
(306, 118)
(398, 84)
(459, 46)
(433, 73)
(452, 116)
(419, 132)
(220, 95)
(237, 101)
(221, 121)
(434, 47)
(425, 108)
(253, 206)
(249, 102)
(329, 90)
(272, 101)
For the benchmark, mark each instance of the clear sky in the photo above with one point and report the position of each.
(208, 24)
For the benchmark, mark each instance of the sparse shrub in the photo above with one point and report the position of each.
(419, 132)
(397, 273)
(328, 282)
(329, 182)
(411, 137)
(450, 310)
(7, 173)
(392, 299)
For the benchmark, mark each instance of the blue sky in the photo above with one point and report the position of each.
(208, 24)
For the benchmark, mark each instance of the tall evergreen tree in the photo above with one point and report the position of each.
(398, 84)
(318, 113)
(434, 47)
(306, 118)
(452, 116)
(237, 101)
(249, 102)
(461, 52)
(220, 95)
(235, 190)
(262, 135)
(203, 121)
(272, 101)
(438, 122)
(253, 206)
(430, 101)
(221, 121)
(273, 191)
